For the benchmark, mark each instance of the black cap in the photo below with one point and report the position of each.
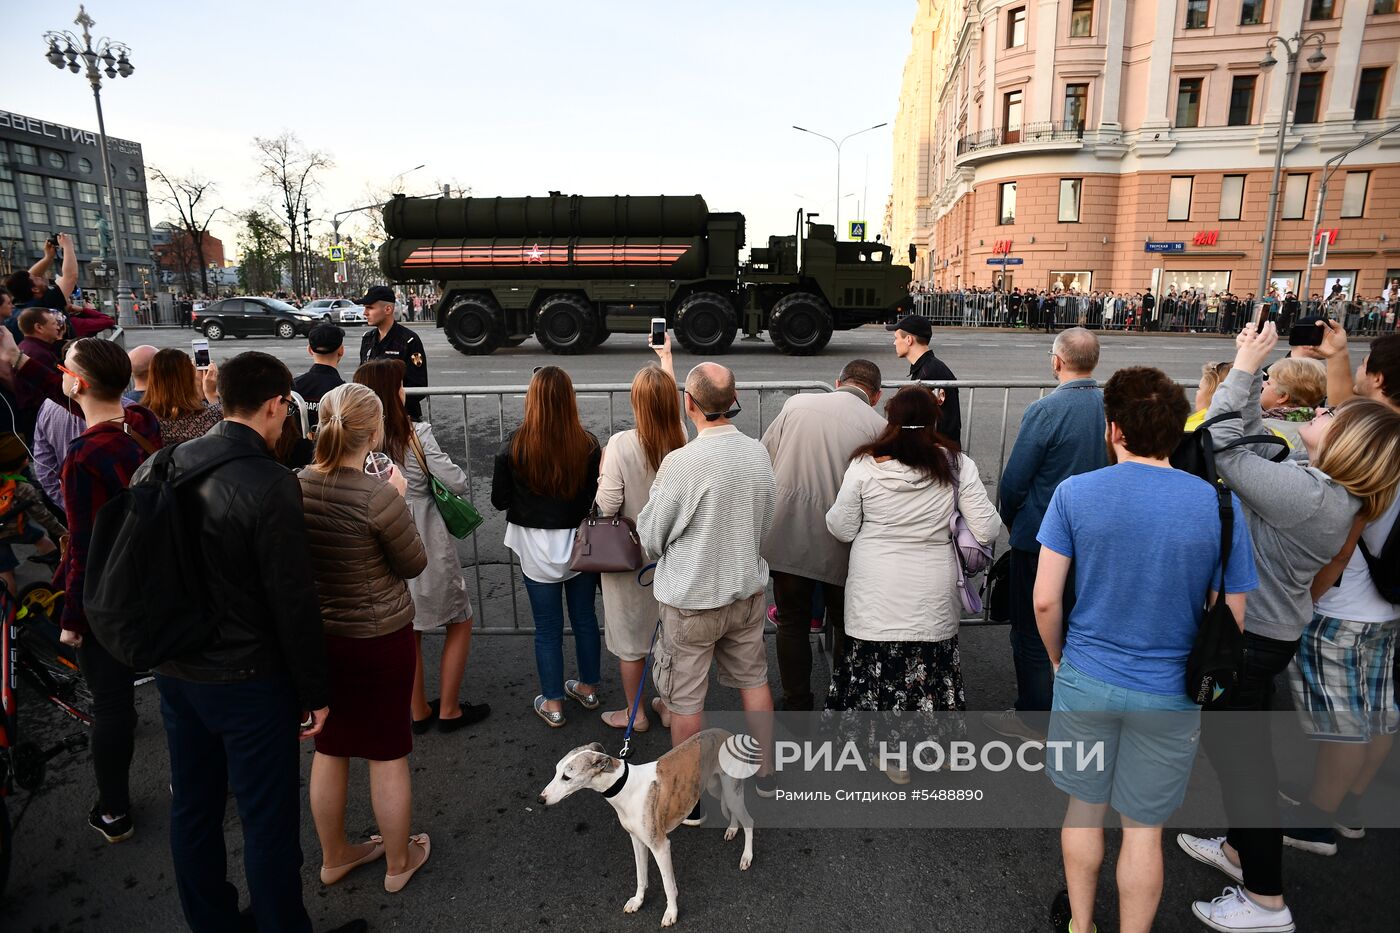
(325, 338)
(914, 326)
(377, 293)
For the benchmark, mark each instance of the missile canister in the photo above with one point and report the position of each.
(548, 216)
(633, 257)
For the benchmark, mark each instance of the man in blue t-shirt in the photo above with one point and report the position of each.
(1130, 633)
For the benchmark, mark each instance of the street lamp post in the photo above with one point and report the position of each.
(838, 146)
(1328, 169)
(113, 56)
(1292, 46)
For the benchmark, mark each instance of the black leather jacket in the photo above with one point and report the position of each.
(247, 517)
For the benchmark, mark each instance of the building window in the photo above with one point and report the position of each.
(1016, 28)
(135, 200)
(7, 195)
(91, 218)
(1321, 9)
(56, 159)
(1231, 197)
(63, 216)
(9, 225)
(1076, 105)
(1251, 12)
(85, 166)
(1069, 199)
(1354, 194)
(1081, 18)
(1309, 93)
(1242, 100)
(137, 246)
(26, 154)
(1295, 196)
(61, 188)
(1008, 203)
(1384, 6)
(1179, 198)
(87, 192)
(37, 213)
(1070, 281)
(1368, 93)
(1011, 117)
(31, 185)
(1197, 14)
(1188, 102)
(132, 174)
(136, 223)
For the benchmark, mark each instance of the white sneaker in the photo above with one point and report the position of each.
(1210, 852)
(1010, 724)
(1233, 911)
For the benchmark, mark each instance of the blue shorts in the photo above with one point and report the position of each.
(1148, 746)
(8, 561)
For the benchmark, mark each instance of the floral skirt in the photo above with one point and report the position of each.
(905, 678)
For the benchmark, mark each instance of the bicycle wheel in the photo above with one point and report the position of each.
(51, 665)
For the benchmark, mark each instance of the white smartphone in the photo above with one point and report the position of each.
(200, 349)
(658, 332)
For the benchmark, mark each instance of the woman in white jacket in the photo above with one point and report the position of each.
(902, 606)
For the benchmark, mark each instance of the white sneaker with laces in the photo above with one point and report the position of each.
(1234, 911)
(1210, 852)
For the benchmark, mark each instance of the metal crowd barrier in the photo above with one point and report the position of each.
(988, 449)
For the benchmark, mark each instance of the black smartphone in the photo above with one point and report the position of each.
(658, 332)
(1306, 335)
(53, 240)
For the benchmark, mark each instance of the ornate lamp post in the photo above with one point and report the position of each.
(106, 56)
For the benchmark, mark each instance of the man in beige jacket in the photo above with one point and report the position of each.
(811, 442)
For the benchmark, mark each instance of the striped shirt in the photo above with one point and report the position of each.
(710, 507)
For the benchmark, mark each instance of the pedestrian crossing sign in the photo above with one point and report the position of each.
(337, 254)
(857, 230)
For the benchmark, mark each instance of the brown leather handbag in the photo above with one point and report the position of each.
(606, 544)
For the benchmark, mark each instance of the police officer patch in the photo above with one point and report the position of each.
(416, 359)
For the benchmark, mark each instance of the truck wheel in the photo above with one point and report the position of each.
(706, 323)
(474, 326)
(566, 325)
(800, 324)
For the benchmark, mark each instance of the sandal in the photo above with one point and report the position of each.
(333, 875)
(553, 717)
(662, 712)
(610, 719)
(588, 701)
(395, 883)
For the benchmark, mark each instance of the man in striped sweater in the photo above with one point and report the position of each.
(710, 507)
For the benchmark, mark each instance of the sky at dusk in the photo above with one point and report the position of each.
(507, 98)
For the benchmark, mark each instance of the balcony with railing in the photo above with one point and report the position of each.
(1050, 131)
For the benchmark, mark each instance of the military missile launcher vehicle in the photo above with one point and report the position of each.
(572, 270)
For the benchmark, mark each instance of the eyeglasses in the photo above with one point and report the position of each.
(82, 383)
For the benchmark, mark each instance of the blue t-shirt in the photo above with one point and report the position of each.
(1146, 547)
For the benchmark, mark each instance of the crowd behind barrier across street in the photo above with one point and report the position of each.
(861, 503)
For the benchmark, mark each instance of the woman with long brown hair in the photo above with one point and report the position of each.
(184, 400)
(629, 468)
(546, 476)
(439, 593)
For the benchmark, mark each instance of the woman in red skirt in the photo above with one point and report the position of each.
(363, 546)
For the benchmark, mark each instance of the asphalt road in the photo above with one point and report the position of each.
(500, 862)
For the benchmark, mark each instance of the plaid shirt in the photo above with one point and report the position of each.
(99, 466)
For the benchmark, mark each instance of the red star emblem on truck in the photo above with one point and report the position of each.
(534, 254)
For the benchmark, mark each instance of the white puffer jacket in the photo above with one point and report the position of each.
(902, 583)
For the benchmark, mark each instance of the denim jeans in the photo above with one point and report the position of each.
(239, 737)
(796, 598)
(1035, 683)
(547, 606)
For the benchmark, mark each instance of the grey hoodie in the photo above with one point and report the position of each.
(1298, 516)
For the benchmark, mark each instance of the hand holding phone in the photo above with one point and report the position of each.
(200, 349)
(658, 331)
(1307, 335)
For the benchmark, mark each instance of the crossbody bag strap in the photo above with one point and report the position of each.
(417, 446)
(1227, 532)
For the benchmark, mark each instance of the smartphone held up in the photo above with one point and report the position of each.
(200, 349)
(658, 332)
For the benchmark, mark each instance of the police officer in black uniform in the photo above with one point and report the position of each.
(326, 345)
(911, 336)
(387, 339)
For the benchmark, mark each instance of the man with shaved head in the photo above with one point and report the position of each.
(711, 505)
(1061, 435)
(140, 371)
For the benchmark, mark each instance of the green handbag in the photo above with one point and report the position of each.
(459, 515)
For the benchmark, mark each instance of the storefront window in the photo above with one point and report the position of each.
(1199, 280)
(1070, 281)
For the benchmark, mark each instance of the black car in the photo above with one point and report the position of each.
(249, 317)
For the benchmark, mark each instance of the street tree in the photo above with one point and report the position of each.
(292, 172)
(192, 199)
(261, 254)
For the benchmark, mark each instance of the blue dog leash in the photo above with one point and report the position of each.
(641, 687)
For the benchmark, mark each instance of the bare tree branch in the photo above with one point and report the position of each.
(290, 169)
(188, 197)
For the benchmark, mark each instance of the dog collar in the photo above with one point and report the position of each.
(617, 785)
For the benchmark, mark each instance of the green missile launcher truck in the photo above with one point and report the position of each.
(572, 270)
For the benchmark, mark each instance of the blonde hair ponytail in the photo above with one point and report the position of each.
(349, 418)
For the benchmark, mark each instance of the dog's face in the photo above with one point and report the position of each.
(587, 766)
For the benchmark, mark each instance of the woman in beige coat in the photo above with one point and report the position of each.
(363, 547)
(630, 462)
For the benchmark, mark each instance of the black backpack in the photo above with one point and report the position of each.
(1385, 566)
(144, 594)
(1195, 453)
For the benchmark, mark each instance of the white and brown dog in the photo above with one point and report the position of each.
(652, 799)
